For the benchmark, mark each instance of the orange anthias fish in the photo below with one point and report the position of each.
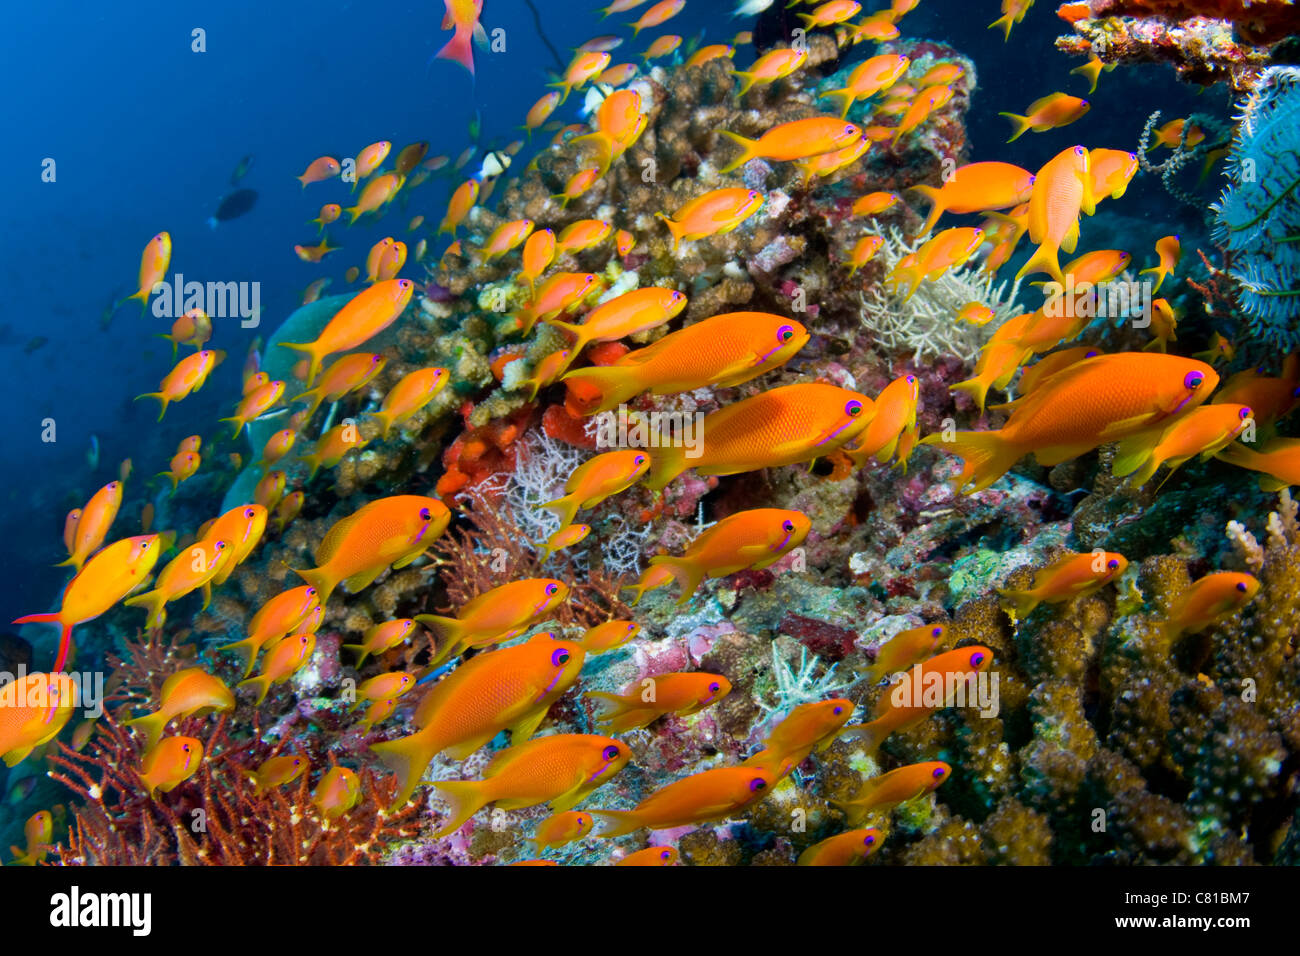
(714, 51)
(566, 537)
(874, 203)
(624, 315)
(458, 207)
(927, 688)
(563, 828)
(277, 446)
(92, 524)
(830, 13)
(317, 252)
(844, 849)
(577, 184)
(1069, 577)
(241, 528)
(905, 649)
(288, 508)
(367, 314)
(752, 539)
(505, 237)
(277, 771)
(286, 613)
(170, 763)
(185, 378)
(388, 531)
(1169, 252)
(710, 795)
(863, 251)
(926, 103)
(333, 446)
(462, 17)
(544, 373)
(681, 694)
(70, 531)
(319, 170)
(894, 425)
(770, 67)
(328, 213)
(408, 396)
(154, 261)
(898, 786)
(1013, 11)
(392, 684)
(193, 328)
(191, 570)
(1062, 189)
(596, 479)
(1278, 462)
(370, 159)
(282, 661)
(374, 256)
(257, 402)
(539, 252)
(584, 66)
(725, 350)
(184, 465)
(1208, 599)
(782, 426)
(540, 112)
(381, 638)
(1048, 112)
(808, 727)
(977, 187)
(110, 575)
(501, 614)
(270, 489)
(651, 856)
(1111, 170)
(512, 688)
(339, 789)
(660, 13)
(715, 213)
(1269, 398)
(346, 374)
(869, 78)
(795, 140)
(558, 294)
(33, 709)
(186, 693)
(1085, 405)
(1202, 431)
(582, 235)
(39, 833)
(607, 636)
(1171, 134)
(619, 123)
(560, 770)
(378, 191)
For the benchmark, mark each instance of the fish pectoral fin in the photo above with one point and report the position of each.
(465, 749)
(571, 797)
(1125, 427)
(1055, 454)
(407, 559)
(359, 582)
(527, 725)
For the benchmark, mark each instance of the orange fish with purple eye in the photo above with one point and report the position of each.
(850, 848)
(282, 661)
(1210, 598)
(651, 856)
(367, 314)
(84, 535)
(1069, 577)
(409, 395)
(608, 636)
(560, 770)
(890, 789)
(382, 637)
(110, 575)
(287, 612)
(497, 615)
(808, 727)
(799, 139)
(338, 791)
(700, 798)
(563, 828)
(680, 694)
(187, 377)
(33, 710)
(186, 693)
(170, 763)
(511, 688)
(596, 479)
(155, 259)
(319, 170)
(277, 771)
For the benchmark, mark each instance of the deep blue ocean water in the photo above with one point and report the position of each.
(145, 133)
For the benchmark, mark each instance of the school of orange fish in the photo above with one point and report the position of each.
(1069, 402)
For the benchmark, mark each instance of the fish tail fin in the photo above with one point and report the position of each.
(674, 228)
(565, 509)
(687, 574)
(1045, 259)
(599, 388)
(385, 420)
(1006, 24)
(870, 734)
(142, 295)
(1136, 456)
(936, 207)
(464, 798)
(448, 632)
(615, 823)
(747, 81)
(977, 388)
(748, 147)
(407, 757)
(986, 456)
(247, 648)
(161, 398)
(1020, 125)
(153, 602)
(65, 640)
(1021, 601)
(665, 465)
(310, 349)
(460, 49)
(312, 397)
(151, 726)
(320, 579)
(263, 684)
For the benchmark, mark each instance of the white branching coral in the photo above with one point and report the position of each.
(1283, 532)
(800, 687)
(927, 323)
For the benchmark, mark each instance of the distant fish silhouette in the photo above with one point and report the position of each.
(241, 170)
(233, 206)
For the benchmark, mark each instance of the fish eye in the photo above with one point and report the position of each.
(976, 659)
(185, 747)
(425, 514)
(1244, 413)
(785, 333)
(1241, 586)
(666, 854)
(849, 130)
(1193, 380)
(939, 772)
(937, 632)
(311, 591)
(639, 460)
(757, 784)
(787, 526)
(853, 408)
(591, 278)
(1112, 564)
(551, 588)
(715, 687)
(869, 839)
(837, 711)
(249, 512)
(560, 657)
(609, 753)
